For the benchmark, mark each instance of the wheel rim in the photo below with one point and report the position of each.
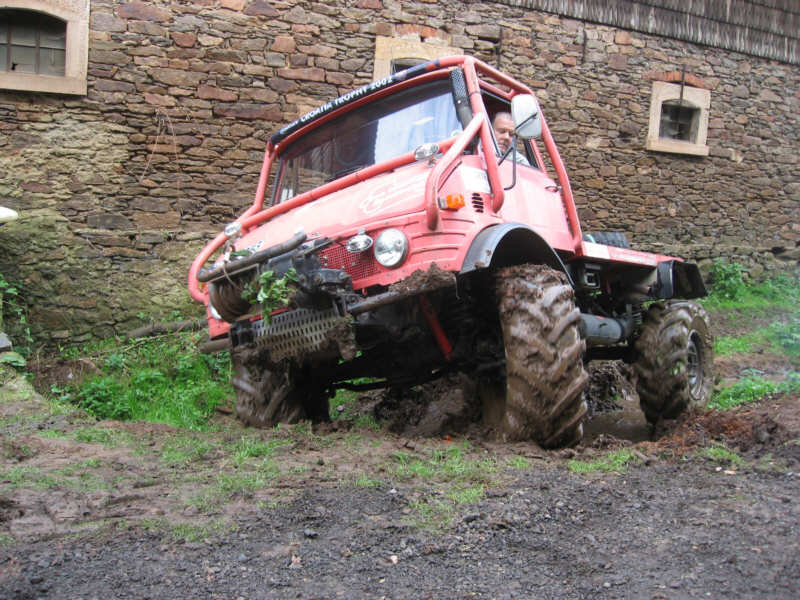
(694, 365)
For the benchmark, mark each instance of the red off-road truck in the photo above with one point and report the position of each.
(390, 242)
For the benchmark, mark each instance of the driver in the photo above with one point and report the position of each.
(503, 126)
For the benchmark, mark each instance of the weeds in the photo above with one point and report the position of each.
(727, 280)
(11, 305)
(729, 345)
(518, 462)
(750, 389)
(614, 462)
(29, 477)
(99, 435)
(188, 532)
(720, 454)
(184, 449)
(250, 447)
(786, 336)
(728, 290)
(445, 465)
(159, 380)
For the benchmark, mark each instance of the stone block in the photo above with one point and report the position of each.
(269, 112)
(208, 92)
(177, 77)
(185, 40)
(260, 9)
(283, 43)
(307, 74)
(107, 22)
(143, 12)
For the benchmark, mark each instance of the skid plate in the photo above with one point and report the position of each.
(297, 333)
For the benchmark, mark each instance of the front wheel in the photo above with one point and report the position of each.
(675, 360)
(267, 397)
(545, 376)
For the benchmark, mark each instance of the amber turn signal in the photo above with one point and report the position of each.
(451, 202)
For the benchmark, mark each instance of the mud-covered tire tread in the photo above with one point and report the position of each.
(265, 398)
(662, 358)
(545, 376)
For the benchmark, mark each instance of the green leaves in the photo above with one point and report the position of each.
(270, 291)
(162, 380)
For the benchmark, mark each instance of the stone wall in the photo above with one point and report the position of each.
(118, 190)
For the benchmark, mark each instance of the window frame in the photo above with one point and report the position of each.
(389, 49)
(75, 15)
(696, 98)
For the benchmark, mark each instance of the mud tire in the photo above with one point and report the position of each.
(545, 376)
(265, 397)
(675, 362)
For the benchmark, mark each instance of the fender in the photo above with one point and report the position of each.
(511, 244)
(678, 279)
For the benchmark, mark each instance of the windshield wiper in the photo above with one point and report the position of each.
(343, 172)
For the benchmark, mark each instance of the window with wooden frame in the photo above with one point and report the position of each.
(32, 42)
(44, 50)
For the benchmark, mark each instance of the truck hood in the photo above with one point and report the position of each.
(343, 212)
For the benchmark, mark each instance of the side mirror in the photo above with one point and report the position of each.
(525, 114)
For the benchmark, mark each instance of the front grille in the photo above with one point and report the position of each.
(358, 265)
(477, 203)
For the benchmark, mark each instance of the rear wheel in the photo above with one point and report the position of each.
(675, 361)
(545, 376)
(267, 397)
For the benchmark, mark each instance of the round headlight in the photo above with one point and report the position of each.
(391, 247)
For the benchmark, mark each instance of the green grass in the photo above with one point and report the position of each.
(519, 463)
(106, 436)
(751, 389)
(613, 462)
(459, 479)
(159, 380)
(235, 482)
(730, 345)
(365, 481)
(29, 477)
(720, 454)
(729, 290)
(248, 447)
(786, 336)
(189, 532)
(184, 449)
(444, 465)
(782, 338)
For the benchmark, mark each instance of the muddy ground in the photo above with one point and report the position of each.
(130, 510)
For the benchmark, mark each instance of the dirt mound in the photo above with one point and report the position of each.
(49, 372)
(747, 430)
(447, 406)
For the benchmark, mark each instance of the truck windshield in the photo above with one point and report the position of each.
(371, 134)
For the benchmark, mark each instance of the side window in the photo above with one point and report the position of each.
(44, 46)
(503, 131)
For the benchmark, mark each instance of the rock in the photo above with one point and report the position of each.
(5, 343)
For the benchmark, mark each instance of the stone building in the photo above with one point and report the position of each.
(131, 132)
